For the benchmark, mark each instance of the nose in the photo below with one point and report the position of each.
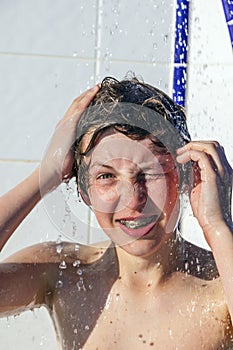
(132, 194)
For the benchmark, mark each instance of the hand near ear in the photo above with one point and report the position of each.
(210, 195)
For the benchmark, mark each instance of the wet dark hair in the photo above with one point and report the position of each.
(135, 109)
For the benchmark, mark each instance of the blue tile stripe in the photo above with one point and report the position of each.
(228, 10)
(181, 51)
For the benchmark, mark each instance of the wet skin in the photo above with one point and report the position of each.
(93, 307)
(133, 189)
(136, 293)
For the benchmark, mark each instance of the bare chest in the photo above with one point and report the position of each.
(160, 323)
(106, 317)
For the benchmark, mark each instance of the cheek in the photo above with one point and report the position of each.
(164, 194)
(172, 196)
(103, 199)
(158, 193)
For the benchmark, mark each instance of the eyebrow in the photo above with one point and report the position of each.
(100, 165)
(146, 166)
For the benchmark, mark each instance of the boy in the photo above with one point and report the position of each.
(134, 158)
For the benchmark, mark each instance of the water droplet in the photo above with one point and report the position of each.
(62, 265)
(76, 263)
(165, 38)
(87, 327)
(75, 331)
(58, 239)
(80, 285)
(8, 322)
(79, 272)
(59, 284)
(59, 248)
(76, 247)
(170, 332)
(93, 31)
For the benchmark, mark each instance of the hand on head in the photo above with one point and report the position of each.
(58, 161)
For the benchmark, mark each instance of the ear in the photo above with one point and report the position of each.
(85, 198)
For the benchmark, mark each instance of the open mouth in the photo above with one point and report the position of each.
(138, 223)
(138, 227)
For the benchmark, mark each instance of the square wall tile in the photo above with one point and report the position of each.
(209, 104)
(12, 174)
(209, 38)
(32, 330)
(35, 93)
(137, 31)
(47, 27)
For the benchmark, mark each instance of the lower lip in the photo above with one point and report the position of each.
(139, 232)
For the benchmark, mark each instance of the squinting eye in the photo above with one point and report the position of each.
(105, 176)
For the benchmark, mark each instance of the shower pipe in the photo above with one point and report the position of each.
(228, 10)
(181, 51)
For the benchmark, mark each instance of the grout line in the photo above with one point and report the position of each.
(216, 64)
(97, 64)
(98, 39)
(38, 55)
(96, 59)
(96, 75)
(19, 161)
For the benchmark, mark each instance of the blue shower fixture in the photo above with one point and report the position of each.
(181, 51)
(228, 10)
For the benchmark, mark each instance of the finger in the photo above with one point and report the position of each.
(207, 172)
(215, 152)
(82, 101)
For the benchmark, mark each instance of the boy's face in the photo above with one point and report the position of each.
(133, 190)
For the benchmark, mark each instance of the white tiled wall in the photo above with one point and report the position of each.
(210, 79)
(50, 51)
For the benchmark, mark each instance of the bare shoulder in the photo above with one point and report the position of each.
(212, 287)
(209, 294)
(53, 252)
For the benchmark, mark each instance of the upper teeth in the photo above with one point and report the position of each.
(138, 223)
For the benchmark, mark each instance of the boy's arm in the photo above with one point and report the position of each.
(28, 278)
(23, 287)
(210, 198)
(55, 167)
(16, 204)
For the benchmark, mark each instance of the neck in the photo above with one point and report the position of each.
(149, 271)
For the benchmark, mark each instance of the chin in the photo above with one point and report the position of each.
(144, 247)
